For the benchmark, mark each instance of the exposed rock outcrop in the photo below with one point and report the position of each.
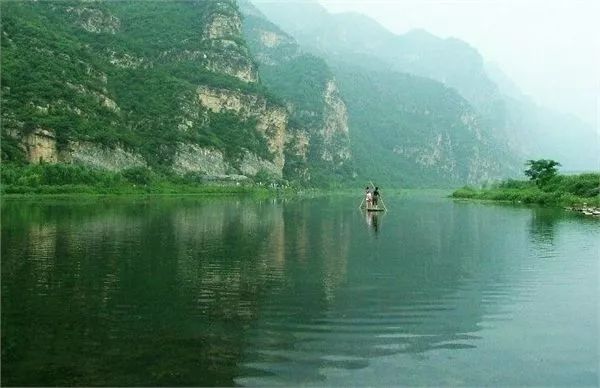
(40, 146)
(320, 118)
(98, 156)
(100, 98)
(193, 158)
(252, 164)
(130, 102)
(222, 32)
(271, 120)
(335, 126)
(95, 20)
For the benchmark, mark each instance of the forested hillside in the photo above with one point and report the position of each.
(122, 73)
(167, 86)
(413, 131)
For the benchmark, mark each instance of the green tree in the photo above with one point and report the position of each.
(542, 170)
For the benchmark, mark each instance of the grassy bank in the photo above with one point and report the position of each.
(56, 179)
(561, 190)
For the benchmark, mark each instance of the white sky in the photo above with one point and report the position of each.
(551, 48)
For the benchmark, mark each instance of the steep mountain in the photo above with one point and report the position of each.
(536, 132)
(318, 141)
(171, 86)
(517, 124)
(404, 129)
(415, 132)
(350, 35)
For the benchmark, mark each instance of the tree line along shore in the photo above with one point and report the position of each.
(545, 186)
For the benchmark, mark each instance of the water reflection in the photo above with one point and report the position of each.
(542, 224)
(372, 219)
(186, 291)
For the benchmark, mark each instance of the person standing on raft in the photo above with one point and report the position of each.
(368, 197)
(376, 196)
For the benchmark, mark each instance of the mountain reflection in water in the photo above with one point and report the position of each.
(187, 291)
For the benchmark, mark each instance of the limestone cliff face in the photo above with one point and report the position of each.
(102, 157)
(138, 89)
(94, 19)
(222, 32)
(335, 126)
(220, 26)
(201, 160)
(440, 152)
(40, 146)
(437, 153)
(319, 118)
(269, 45)
(271, 122)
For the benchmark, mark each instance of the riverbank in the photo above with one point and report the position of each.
(573, 191)
(76, 180)
(63, 179)
(126, 189)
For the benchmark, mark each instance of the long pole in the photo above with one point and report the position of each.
(384, 207)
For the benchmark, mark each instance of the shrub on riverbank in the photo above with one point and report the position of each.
(560, 190)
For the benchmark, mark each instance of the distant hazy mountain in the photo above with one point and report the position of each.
(338, 36)
(403, 128)
(414, 131)
(528, 130)
(535, 131)
(538, 132)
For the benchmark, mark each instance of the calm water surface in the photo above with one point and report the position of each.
(192, 291)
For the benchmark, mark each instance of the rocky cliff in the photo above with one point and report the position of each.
(116, 85)
(170, 86)
(413, 131)
(318, 132)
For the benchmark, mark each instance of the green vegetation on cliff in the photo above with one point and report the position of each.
(413, 131)
(405, 129)
(123, 73)
(165, 82)
(301, 81)
(317, 152)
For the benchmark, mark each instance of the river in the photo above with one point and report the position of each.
(238, 291)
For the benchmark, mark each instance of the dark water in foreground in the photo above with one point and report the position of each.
(184, 291)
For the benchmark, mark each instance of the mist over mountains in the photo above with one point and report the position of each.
(527, 129)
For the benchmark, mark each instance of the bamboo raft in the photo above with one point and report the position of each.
(363, 205)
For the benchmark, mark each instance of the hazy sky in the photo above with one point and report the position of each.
(550, 48)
